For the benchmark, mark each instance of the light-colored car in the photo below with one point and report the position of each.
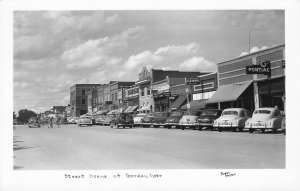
(232, 119)
(189, 119)
(137, 120)
(267, 118)
(85, 120)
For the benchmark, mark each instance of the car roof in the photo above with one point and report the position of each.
(234, 109)
(267, 108)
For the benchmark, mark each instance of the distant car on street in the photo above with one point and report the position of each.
(160, 119)
(232, 119)
(207, 118)
(108, 119)
(148, 120)
(99, 119)
(137, 119)
(173, 119)
(267, 118)
(84, 120)
(123, 120)
(189, 119)
(34, 122)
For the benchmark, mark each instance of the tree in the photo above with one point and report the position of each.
(25, 114)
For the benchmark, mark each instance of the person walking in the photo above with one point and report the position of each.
(51, 122)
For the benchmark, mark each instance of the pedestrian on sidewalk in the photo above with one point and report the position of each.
(51, 122)
(58, 122)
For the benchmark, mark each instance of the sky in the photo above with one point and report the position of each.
(53, 50)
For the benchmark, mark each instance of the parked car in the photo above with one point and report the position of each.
(232, 118)
(267, 118)
(108, 119)
(173, 119)
(207, 118)
(85, 120)
(34, 122)
(160, 119)
(99, 119)
(189, 119)
(123, 120)
(137, 119)
(148, 120)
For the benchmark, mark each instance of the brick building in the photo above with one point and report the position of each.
(78, 98)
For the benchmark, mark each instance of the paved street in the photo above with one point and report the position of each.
(98, 147)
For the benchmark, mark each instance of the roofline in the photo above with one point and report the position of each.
(251, 54)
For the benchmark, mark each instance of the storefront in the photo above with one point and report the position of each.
(252, 81)
(161, 101)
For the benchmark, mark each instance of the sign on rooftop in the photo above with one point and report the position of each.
(192, 80)
(263, 68)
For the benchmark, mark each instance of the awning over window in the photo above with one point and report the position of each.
(131, 109)
(178, 102)
(101, 112)
(127, 109)
(196, 104)
(112, 112)
(230, 92)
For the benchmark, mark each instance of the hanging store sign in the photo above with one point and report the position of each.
(263, 68)
(192, 80)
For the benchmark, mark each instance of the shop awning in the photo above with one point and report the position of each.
(131, 109)
(178, 102)
(111, 112)
(196, 104)
(127, 109)
(230, 92)
(143, 109)
(101, 112)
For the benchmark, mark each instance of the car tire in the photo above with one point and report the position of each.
(240, 129)
(284, 131)
(182, 128)
(275, 131)
(200, 128)
(234, 129)
(263, 130)
(220, 129)
(251, 130)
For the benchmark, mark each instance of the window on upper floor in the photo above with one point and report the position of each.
(83, 101)
(82, 92)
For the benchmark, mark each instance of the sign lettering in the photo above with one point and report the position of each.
(263, 68)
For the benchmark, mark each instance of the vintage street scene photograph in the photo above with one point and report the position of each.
(149, 89)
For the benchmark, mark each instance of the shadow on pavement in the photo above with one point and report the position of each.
(17, 147)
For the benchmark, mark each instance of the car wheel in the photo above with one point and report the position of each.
(251, 130)
(220, 129)
(284, 131)
(240, 129)
(233, 129)
(200, 128)
(131, 126)
(275, 131)
(263, 130)
(169, 126)
(182, 128)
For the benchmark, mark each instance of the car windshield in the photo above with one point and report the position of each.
(209, 112)
(192, 112)
(161, 115)
(262, 112)
(230, 113)
(176, 114)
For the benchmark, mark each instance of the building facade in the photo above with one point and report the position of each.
(240, 88)
(78, 98)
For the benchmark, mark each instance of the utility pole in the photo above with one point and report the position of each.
(249, 42)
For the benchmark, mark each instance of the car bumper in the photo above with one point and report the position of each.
(171, 124)
(225, 126)
(188, 124)
(206, 124)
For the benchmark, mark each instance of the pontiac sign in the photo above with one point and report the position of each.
(263, 68)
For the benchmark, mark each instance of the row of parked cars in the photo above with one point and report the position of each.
(234, 119)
